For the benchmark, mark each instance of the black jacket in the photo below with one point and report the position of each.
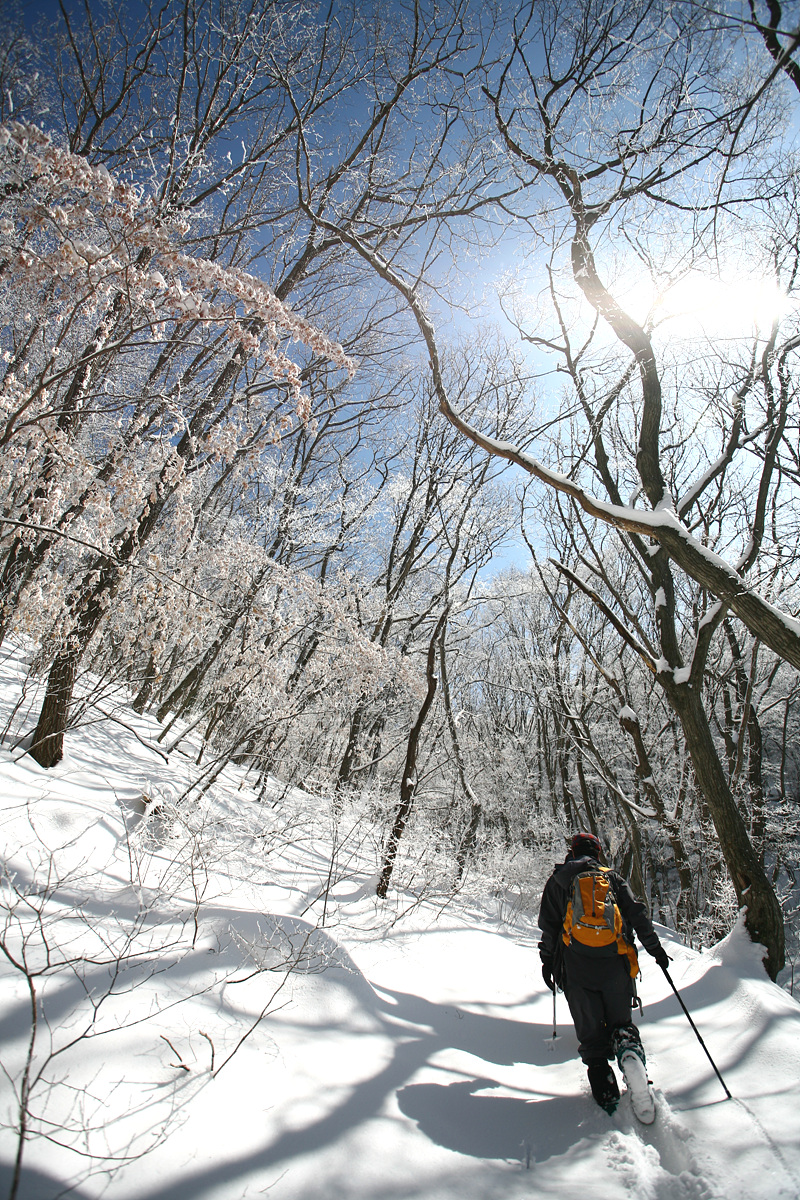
(555, 899)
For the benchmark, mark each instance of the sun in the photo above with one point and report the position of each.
(700, 304)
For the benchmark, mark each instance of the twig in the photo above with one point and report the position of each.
(180, 1066)
(211, 1044)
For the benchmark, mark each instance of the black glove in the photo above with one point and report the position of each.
(662, 958)
(547, 973)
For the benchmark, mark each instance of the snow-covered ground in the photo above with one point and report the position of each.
(408, 1053)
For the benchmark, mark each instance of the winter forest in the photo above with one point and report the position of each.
(408, 400)
(400, 404)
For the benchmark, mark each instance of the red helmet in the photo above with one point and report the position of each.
(586, 843)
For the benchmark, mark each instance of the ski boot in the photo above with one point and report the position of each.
(630, 1056)
(603, 1083)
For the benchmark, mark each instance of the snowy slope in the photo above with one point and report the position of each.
(404, 1055)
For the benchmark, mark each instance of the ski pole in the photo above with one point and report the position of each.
(697, 1032)
(551, 1041)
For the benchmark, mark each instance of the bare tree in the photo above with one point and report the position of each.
(596, 112)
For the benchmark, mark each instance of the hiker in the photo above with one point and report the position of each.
(587, 917)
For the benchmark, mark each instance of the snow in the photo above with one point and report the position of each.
(408, 1055)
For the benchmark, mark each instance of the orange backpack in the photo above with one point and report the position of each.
(593, 917)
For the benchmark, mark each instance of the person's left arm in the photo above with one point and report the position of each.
(635, 913)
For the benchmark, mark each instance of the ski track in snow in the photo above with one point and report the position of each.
(406, 1059)
(657, 1163)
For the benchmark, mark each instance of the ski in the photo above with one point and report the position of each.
(643, 1100)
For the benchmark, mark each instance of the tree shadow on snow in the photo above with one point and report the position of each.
(37, 1185)
(495, 1039)
(451, 1115)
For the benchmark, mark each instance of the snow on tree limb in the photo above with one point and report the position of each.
(778, 630)
(75, 233)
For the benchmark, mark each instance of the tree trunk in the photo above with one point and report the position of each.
(468, 839)
(749, 720)
(764, 918)
(48, 738)
(644, 772)
(351, 750)
(409, 781)
(183, 696)
(142, 697)
(588, 807)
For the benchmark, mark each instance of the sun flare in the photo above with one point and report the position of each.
(736, 307)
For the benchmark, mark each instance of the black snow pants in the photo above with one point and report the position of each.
(599, 993)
